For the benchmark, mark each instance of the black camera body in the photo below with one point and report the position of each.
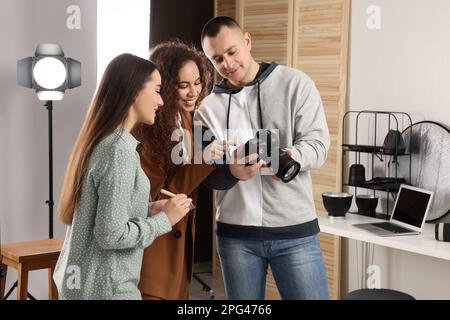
(442, 231)
(264, 144)
(260, 144)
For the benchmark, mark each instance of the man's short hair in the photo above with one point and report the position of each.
(213, 26)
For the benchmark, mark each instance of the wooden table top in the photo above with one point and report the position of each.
(32, 250)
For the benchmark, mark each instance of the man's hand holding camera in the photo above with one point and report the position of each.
(245, 167)
(240, 168)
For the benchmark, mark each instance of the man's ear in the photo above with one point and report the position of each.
(248, 40)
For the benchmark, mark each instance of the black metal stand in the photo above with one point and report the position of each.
(12, 289)
(49, 105)
(205, 286)
(378, 152)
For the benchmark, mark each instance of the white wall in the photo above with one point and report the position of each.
(23, 119)
(121, 28)
(402, 66)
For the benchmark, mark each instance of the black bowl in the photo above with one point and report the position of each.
(367, 204)
(337, 203)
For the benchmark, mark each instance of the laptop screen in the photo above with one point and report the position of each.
(411, 207)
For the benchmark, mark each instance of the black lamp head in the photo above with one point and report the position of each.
(49, 72)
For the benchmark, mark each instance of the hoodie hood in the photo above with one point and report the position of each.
(264, 70)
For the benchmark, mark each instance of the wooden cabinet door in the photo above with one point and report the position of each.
(321, 50)
(270, 24)
(225, 8)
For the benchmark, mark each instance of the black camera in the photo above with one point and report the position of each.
(442, 231)
(263, 144)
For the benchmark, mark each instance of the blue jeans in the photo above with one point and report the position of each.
(297, 267)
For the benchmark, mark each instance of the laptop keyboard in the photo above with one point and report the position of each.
(392, 227)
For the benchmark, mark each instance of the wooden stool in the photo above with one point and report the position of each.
(28, 256)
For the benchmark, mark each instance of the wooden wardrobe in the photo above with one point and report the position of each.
(311, 35)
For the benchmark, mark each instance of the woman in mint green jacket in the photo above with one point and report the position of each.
(105, 196)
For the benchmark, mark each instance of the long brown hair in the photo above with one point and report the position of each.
(122, 81)
(156, 139)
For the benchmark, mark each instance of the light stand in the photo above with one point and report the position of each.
(50, 74)
(50, 202)
(49, 105)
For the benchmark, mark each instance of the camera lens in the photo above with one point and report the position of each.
(442, 231)
(288, 167)
(290, 172)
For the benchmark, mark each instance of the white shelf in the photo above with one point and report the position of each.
(424, 243)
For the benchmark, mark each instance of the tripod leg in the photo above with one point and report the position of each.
(10, 290)
(205, 286)
(4, 269)
(30, 296)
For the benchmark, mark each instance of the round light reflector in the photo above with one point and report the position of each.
(50, 73)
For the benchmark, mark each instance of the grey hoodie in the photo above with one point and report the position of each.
(262, 208)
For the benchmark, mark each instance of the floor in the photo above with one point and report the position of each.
(203, 271)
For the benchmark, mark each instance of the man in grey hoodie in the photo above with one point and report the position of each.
(262, 221)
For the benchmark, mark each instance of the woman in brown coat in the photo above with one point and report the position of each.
(167, 265)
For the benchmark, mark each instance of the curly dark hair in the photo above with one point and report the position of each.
(156, 139)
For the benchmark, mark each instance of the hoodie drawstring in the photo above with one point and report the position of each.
(259, 109)
(259, 106)
(228, 114)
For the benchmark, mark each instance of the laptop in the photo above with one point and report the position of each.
(408, 215)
